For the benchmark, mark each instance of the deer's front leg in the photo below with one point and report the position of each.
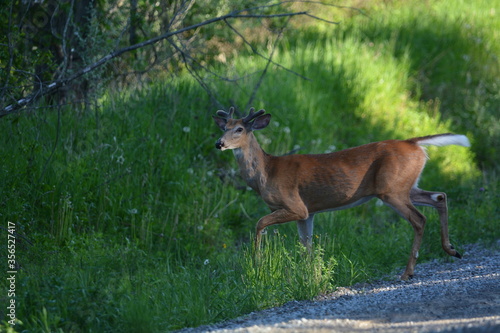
(277, 217)
(305, 228)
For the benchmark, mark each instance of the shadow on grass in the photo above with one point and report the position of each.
(454, 68)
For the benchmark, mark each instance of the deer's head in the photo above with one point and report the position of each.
(236, 131)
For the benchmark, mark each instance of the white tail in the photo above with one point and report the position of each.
(444, 140)
(295, 187)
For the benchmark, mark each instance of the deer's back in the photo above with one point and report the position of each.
(328, 181)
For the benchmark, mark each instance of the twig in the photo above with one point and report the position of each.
(195, 74)
(256, 88)
(53, 86)
(254, 50)
(327, 4)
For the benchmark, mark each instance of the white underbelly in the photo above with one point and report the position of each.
(353, 204)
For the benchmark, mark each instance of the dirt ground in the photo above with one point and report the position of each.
(444, 296)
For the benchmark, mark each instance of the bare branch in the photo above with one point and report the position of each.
(257, 86)
(321, 4)
(260, 55)
(238, 14)
(194, 73)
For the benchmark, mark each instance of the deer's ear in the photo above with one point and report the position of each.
(220, 122)
(261, 122)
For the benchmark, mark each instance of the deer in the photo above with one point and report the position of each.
(295, 187)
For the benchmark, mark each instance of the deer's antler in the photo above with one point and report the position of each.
(252, 115)
(226, 115)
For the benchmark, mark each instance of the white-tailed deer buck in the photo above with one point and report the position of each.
(296, 187)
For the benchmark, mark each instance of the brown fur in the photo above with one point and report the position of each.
(295, 187)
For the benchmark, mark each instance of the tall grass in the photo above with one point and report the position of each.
(135, 222)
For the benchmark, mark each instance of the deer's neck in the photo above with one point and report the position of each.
(252, 162)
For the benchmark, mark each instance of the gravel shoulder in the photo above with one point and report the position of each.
(444, 296)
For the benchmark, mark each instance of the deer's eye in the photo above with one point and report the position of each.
(239, 130)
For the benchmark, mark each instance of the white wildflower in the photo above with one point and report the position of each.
(330, 149)
(120, 159)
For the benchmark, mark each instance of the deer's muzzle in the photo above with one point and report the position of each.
(219, 144)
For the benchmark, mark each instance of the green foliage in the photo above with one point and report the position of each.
(278, 273)
(131, 221)
(16, 68)
(451, 58)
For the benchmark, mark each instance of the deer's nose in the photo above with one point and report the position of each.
(219, 144)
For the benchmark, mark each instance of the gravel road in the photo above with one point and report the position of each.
(444, 296)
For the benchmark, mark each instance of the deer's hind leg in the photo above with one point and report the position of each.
(401, 203)
(437, 200)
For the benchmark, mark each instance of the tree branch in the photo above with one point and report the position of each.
(269, 61)
(238, 14)
(260, 55)
(194, 73)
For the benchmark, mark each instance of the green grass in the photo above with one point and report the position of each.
(134, 222)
